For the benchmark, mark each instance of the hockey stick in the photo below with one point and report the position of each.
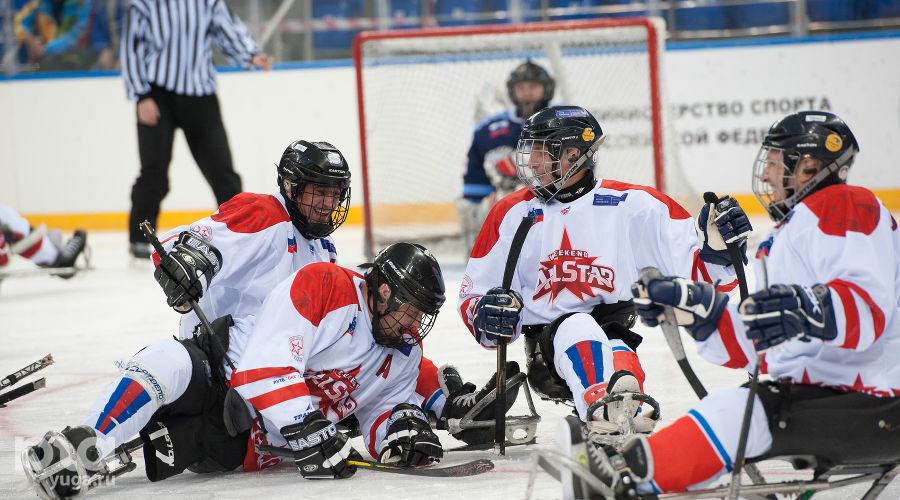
(673, 338)
(748, 410)
(462, 470)
(500, 409)
(147, 230)
(20, 391)
(14, 377)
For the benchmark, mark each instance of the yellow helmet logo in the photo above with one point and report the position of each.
(588, 134)
(833, 143)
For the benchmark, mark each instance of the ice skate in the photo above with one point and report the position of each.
(64, 265)
(614, 409)
(469, 414)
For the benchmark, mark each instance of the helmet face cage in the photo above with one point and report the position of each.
(415, 299)
(315, 181)
(815, 135)
(537, 165)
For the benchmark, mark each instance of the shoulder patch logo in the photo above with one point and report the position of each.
(609, 200)
(296, 343)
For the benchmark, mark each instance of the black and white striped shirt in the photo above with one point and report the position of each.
(167, 43)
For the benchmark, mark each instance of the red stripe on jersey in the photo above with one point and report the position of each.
(374, 430)
(427, 383)
(490, 230)
(736, 356)
(257, 374)
(33, 249)
(676, 211)
(272, 398)
(763, 364)
(688, 456)
(464, 312)
(841, 208)
(320, 288)
(251, 213)
(844, 287)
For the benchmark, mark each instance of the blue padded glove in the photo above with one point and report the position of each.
(728, 224)
(786, 312)
(497, 314)
(697, 305)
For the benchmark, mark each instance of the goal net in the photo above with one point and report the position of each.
(421, 94)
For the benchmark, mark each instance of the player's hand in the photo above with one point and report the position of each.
(320, 450)
(697, 305)
(261, 61)
(187, 271)
(147, 112)
(409, 440)
(721, 223)
(497, 315)
(786, 312)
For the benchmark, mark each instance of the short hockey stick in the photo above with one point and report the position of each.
(147, 229)
(20, 391)
(462, 470)
(734, 252)
(500, 409)
(14, 377)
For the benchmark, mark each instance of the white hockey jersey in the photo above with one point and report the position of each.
(843, 237)
(312, 348)
(587, 252)
(260, 247)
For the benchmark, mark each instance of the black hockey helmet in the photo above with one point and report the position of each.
(319, 164)
(530, 72)
(818, 135)
(415, 278)
(557, 129)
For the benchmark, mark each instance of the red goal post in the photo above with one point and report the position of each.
(421, 93)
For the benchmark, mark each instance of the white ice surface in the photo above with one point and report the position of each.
(105, 315)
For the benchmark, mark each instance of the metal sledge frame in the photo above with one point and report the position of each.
(528, 423)
(825, 478)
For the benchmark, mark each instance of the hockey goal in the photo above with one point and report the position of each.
(422, 92)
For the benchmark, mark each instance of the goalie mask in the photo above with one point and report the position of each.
(530, 72)
(315, 181)
(416, 294)
(801, 154)
(546, 136)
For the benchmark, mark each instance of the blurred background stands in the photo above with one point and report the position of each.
(61, 35)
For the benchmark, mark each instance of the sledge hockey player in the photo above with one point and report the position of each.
(825, 320)
(329, 343)
(42, 246)
(587, 240)
(490, 166)
(265, 238)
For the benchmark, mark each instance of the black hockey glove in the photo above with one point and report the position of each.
(697, 305)
(728, 224)
(497, 314)
(786, 312)
(186, 272)
(320, 450)
(409, 440)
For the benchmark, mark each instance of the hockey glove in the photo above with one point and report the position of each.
(185, 273)
(320, 450)
(724, 222)
(697, 305)
(785, 312)
(497, 314)
(409, 440)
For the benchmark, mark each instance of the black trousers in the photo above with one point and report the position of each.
(201, 121)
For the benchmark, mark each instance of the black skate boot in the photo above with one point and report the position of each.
(62, 464)
(69, 253)
(469, 415)
(600, 471)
